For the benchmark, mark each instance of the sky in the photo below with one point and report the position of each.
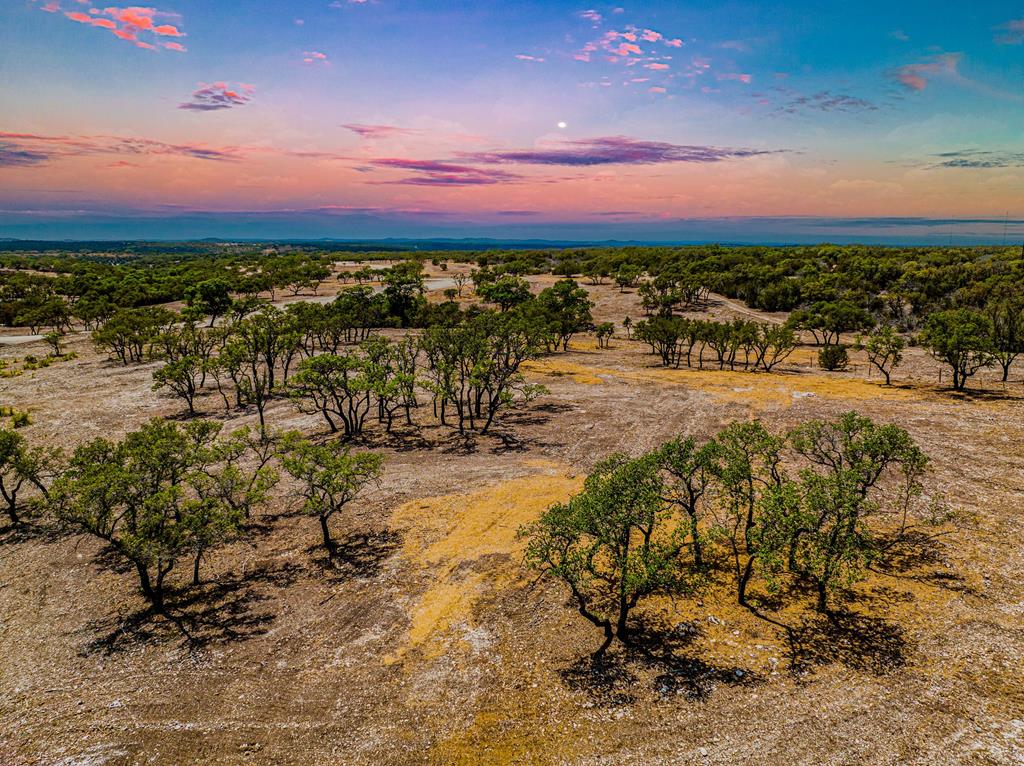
(735, 121)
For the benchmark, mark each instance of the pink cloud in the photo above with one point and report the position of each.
(626, 48)
(524, 57)
(125, 23)
(68, 146)
(657, 67)
(216, 96)
(175, 47)
(380, 131)
(656, 89)
(917, 76)
(315, 57)
(744, 78)
(134, 16)
(611, 41)
(1011, 33)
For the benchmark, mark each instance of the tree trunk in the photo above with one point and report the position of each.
(325, 530)
(748, 570)
(609, 635)
(698, 549)
(155, 596)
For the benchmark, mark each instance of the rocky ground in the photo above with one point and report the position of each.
(428, 643)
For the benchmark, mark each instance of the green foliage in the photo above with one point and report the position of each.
(962, 338)
(751, 345)
(474, 366)
(18, 418)
(884, 348)
(129, 333)
(1005, 310)
(53, 340)
(815, 507)
(833, 357)
(827, 320)
(506, 291)
(329, 475)
(23, 468)
(613, 544)
(157, 496)
(211, 296)
(564, 308)
(748, 468)
(183, 376)
(818, 527)
(335, 386)
(404, 290)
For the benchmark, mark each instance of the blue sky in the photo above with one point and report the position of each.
(661, 120)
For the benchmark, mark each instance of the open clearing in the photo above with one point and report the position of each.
(431, 644)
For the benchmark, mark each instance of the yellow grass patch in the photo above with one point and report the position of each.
(555, 369)
(754, 388)
(468, 543)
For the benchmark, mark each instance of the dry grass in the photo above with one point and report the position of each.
(466, 544)
(429, 645)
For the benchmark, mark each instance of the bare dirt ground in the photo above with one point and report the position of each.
(430, 644)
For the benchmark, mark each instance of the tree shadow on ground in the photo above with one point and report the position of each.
(401, 438)
(657, 656)
(860, 642)
(906, 556)
(29, 529)
(223, 611)
(979, 395)
(358, 555)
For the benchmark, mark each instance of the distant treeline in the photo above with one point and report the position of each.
(898, 286)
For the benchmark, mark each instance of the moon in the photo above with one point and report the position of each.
(563, 125)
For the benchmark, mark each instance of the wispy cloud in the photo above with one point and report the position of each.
(525, 57)
(613, 150)
(440, 173)
(979, 158)
(214, 96)
(142, 26)
(315, 57)
(54, 147)
(380, 131)
(1011, 33)
(14, 156)
(917, 76)
(826, 101)
(626, 44)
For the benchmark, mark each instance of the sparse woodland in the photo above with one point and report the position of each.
(768, 515)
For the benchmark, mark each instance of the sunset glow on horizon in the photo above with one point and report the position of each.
(376, 118)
